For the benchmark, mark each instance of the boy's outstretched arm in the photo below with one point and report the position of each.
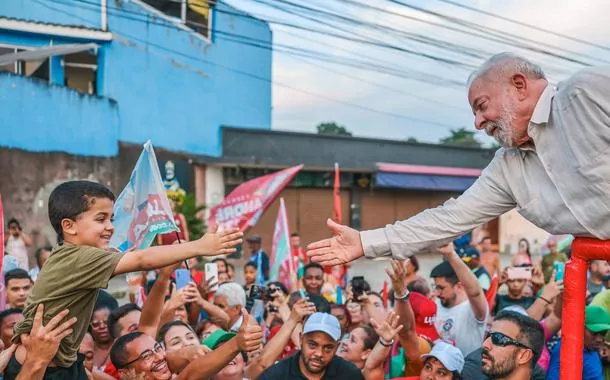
(211, 244)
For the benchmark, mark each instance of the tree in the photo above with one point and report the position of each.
(191, 212)
(332, 128)
(411, 140)
(461, 137)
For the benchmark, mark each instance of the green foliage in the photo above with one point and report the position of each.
(332, 128)
(189, 209)
(461, 137)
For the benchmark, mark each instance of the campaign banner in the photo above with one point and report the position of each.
(142, 210)
(244, 206)
(281, 263)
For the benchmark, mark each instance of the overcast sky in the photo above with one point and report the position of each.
(399, 106)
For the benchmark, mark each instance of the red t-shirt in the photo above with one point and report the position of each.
(290, 347)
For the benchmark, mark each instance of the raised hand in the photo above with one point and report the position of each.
(390, 327)
(398, 276)
(250, 335)
(42, 342)
(301, 309)
(538, 277)
(220, 243)
(191, 294)
(446, 250)
(343, 247)
(552, 289)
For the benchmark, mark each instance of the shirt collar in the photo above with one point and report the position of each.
(542, 111)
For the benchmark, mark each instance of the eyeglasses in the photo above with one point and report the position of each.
(146, 355)
(98, 324)
(499, 339)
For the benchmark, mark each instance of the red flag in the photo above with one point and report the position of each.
(245, 205)
(337, 195)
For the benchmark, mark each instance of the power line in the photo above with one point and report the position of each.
(254, 76)
(517, 22)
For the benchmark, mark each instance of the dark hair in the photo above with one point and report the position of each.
(115, 315)
(455, 375)
(294, 234)
(312, 265)
(13, 221)
(445, 270)
(530, 331)
(528, 246)
(419, 285)
(16, 274)
(221, 259)
(348, 317)
(72, 198)
(8, 312)
(279, 285)
(371, 337)
(118, 352)
(414, 262)
(251, 264)
(39, 252)
(106, 299)
(229, 265)
(167, 326)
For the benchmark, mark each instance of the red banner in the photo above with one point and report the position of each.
(246, 204)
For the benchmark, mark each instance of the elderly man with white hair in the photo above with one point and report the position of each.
(554, 164)
(231, 298)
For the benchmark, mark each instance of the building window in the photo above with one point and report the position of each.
(80, 72)
(34, 69)
(196, 14)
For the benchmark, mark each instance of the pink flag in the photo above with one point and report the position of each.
(245, 205)
(281, 263)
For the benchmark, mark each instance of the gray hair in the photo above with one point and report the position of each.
(505, 65)
(233, 292)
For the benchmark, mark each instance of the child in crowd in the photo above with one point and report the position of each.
(81, 213)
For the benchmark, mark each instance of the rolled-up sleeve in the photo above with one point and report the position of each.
(487, 198)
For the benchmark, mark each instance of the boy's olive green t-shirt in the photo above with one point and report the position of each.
(70, 279)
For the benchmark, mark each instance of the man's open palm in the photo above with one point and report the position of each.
(343, 247)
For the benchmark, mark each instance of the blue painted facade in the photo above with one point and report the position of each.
(156, 79)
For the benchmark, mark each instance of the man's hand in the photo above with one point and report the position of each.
(552, 289)
(219, 243)
(343, 247)
(43, 341)
(301, 309)
(538, 277)
(398, 276)
(250, 335)
(447, 250)
(388, 330)
(191, 293)
(177, 360)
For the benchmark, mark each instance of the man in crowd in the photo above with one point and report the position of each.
(551, 258)
(18, 285)
(313, 278)
(8, 319)
(317, 358)
(124, 319)
(42, 255)
(549, 185)
(259, 257)
(598, 272)
(516, 282)
(597, 324)
(462, 309)
(231, 298)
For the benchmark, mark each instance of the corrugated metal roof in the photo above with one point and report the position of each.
(77, 27)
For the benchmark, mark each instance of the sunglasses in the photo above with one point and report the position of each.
(501, 340)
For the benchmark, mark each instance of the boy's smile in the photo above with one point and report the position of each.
(94, 226)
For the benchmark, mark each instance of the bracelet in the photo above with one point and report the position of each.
(545, 300)
(386, 344)
(403, 297)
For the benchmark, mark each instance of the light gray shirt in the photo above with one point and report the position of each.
(561, 183)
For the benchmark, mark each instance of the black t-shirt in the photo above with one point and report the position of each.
(288, 368)
(503, 300)
(472, 368)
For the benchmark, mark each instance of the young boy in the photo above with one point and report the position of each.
(81, 214)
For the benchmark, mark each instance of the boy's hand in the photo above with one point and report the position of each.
(43, 341)
(220, 243)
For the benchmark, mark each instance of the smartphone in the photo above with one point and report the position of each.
(520, 273)
(559, 270)
(211, 274)
(183, 277)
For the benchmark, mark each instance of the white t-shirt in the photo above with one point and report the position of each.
(16, 247)
(459, 326)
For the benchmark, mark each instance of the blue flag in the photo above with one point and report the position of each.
(142, 210)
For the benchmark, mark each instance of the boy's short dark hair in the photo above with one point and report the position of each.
(72, 198)
(115, 315)
(312, 265)
(8, 312)
(16, 274)
(251, 264)
(294, 234)
(445, 270)
(118, 352)
(13, 221)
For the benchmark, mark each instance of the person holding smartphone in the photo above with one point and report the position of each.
(516, 279)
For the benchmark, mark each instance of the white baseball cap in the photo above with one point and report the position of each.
(451, 357)
(325, 323)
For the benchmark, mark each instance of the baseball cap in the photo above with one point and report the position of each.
(424, 310)
(325, 323)
(217, 337)
(254, 239)
(467, 253)
(597, 319)
(451, 357)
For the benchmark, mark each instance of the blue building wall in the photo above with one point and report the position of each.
(48, 121)
(171, 85)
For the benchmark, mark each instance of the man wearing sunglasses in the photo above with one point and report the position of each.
(512, 347)
(597, 324)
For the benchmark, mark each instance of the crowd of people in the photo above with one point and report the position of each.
(469, 318)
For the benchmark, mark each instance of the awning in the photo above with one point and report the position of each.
(420, 177)
(44, 53)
